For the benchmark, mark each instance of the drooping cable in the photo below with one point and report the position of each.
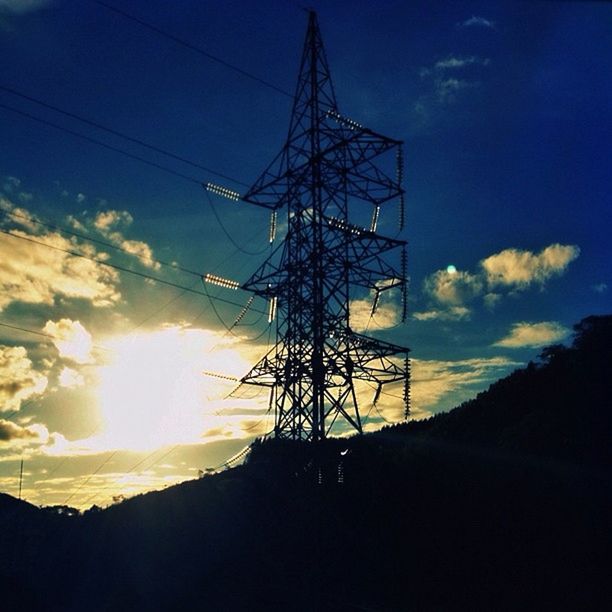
(116, 133)
(193, 47)
(123, 269)
(100, 144)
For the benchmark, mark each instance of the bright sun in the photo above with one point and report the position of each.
(154, 392)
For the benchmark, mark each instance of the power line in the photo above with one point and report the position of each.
(104, 243)
(128, 270)
(193, 47)
(117, 133)
(226, 232)
(101, 144)
(90, 477)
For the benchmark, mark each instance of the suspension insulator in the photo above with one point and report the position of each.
(243, 311)
(375, 214)
(272, 227)
(407, 388)
(404, 271)
(400, 179)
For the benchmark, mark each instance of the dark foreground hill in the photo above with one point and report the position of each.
(502, 504)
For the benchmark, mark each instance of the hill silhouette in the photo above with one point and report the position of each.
(503, 503)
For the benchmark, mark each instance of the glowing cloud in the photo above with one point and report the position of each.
(533, 334)
(452, 286)
(155, 391)
(520, 268)
(70, 379)
(109, 223)
(386, 315)
(71, 339)
(508, 271)
(445, 384)
(35, 274)
(18, 380)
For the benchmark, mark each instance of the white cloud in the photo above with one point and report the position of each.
(18, 379)
(453, 313)
(476, 22)
(70, 379)
(71, 339)
(449, 76)
(533, 334)
(518, 268)
(453, 62)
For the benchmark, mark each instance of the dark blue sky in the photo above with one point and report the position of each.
(505, 109)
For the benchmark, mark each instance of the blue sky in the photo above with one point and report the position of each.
(505, 111)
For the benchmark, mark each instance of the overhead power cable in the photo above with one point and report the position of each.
(226, 231)
(100, 143)
(104, 243)
(127, 270)
(89, 477)
(193, 47)
(117, 133)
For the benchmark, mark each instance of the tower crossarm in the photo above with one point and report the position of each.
(346, 154)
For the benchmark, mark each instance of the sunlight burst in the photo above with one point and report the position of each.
(154, 392)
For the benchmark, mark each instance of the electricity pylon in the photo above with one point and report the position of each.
(326, 164)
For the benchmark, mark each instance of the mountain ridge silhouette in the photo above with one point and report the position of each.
(502, 503)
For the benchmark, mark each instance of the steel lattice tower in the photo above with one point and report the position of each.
(326, 164)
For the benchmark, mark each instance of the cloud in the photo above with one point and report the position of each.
(476, 22)
(508, 271)
(10, 431)
(533, 334)
(36, 274)
(110, 219)
(518, 268)
(41, 271)
(454, 313)
(447, 89)
(70, 379)
(71, 339)
(454, 288)
(10, 183)
(448, 77)
(444, 384)
(452, 62)
(600, 287)
(108, 223)
(19, 216)
(387, 315)
(139, 249)
(18, 379)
